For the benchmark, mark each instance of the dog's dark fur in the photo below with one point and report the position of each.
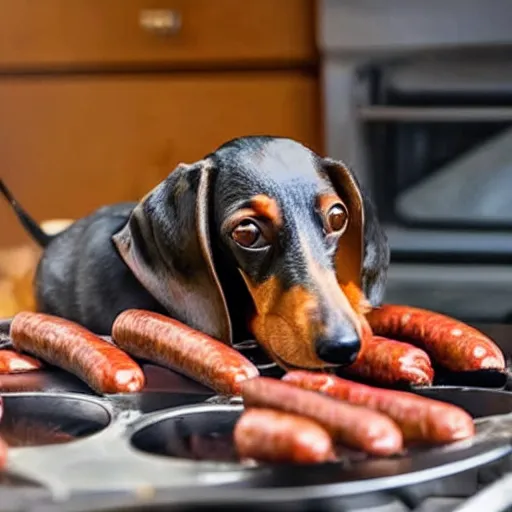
(169, 252)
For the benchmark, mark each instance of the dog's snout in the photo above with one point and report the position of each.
(340, 348)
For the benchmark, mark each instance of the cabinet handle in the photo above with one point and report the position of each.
(160, 21)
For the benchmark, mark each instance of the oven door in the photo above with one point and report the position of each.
(439, 137)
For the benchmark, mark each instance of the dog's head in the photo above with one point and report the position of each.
(264, 233)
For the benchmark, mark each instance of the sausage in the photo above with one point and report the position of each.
(275, 436)
(170, 343)
(390, 362)
(3, 454)
(420, 419)
(353, 426)
(452, 344)
(104, 367)
(12, 362)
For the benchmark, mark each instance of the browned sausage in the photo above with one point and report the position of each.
(421, 419)
(353, 426)
(390, 362)
(3, 454)
(104, 367)
(12, 362)
(275, 436)
(452, 344)
(170, 343)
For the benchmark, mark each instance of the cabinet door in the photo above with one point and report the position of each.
(69, 145)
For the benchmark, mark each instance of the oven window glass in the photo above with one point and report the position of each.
(441, 145)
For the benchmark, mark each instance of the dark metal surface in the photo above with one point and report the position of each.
(41, 419)
(170, 433)
(168, 397)
(263, 487)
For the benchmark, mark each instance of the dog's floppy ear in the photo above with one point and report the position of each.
(362, 256)
(166, 244)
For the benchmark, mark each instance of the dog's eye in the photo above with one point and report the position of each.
(337, 218)
(247, 234)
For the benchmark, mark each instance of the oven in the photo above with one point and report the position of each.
(418, 101)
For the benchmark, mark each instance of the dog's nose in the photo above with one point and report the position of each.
(341, 349)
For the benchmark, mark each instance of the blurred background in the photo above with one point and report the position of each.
(101, 99)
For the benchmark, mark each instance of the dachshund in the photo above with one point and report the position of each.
(262, 238)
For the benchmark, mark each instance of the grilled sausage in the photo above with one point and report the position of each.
(420, 419)
(3, 454)
(353, 426)
(275, 436)
(104, 367)
(12, 362)
(170, 343)
(390, 362)
(452, 344)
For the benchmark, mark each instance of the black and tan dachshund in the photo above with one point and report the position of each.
(262, 238)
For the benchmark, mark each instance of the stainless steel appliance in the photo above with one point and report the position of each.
(418, 101)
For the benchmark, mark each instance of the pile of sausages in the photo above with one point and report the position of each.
(305, 416)
(107, 367)
(401, 342)
(299, 418)
(399, 345)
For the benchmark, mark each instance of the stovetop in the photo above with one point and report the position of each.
(487, 483)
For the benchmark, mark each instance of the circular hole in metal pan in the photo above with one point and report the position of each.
(203, 433)
(39, 419)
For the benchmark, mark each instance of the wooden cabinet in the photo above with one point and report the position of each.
(68, 146)
(95, 108)
(46, 33)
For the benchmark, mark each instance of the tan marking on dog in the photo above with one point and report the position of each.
(356, 298)
(267, 207)
(285, 323)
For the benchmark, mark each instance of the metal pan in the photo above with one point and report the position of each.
(179, 433)
(147, 462)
